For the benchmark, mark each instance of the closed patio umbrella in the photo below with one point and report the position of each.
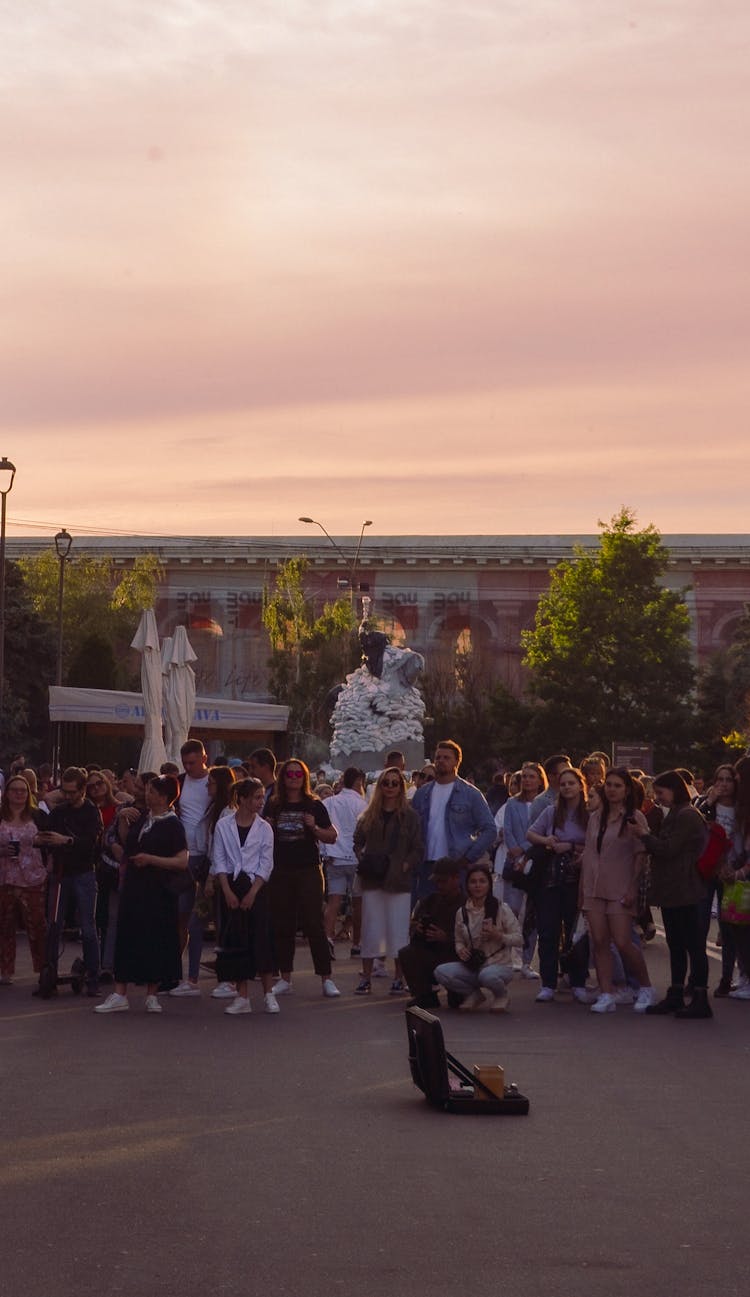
(146, 641)
(180, 691)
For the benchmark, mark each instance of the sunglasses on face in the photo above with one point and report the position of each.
(390, 783)
(294, 774)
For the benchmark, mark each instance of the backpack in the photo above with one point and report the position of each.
(716, 848)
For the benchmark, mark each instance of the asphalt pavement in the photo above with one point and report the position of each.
(194, 1153)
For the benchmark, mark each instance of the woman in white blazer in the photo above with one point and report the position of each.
(242, 864)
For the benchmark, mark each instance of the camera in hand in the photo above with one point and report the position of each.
(476, 960)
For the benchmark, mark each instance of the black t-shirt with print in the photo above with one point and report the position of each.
(294, 845)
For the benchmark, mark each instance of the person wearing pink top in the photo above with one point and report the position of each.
(23, 878)
(612, 862)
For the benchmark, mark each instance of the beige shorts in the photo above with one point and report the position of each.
(599, 905)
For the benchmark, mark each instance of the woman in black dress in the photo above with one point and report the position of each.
(147, 948)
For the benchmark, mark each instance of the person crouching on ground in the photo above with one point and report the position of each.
(486, 933)
(431, 931)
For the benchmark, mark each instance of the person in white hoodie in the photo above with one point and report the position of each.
(341, 863)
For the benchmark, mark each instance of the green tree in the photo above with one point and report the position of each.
(609, 656)
(29, 667)
(101, 606)
(464, 701)
(723, 710)
(309, 654)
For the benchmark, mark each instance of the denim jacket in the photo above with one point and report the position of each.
(469, 822)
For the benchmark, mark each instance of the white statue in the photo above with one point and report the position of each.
(378, 707)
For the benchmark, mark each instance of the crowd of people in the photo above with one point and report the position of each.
(550, 877)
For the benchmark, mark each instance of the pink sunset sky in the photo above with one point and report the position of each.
(477, 267)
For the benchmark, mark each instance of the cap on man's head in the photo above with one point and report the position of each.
(445, 868)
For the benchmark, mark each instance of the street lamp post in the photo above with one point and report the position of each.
(63, 545)
(7, 476)
(313, 522)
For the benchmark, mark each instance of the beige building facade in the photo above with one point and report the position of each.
(438, 593)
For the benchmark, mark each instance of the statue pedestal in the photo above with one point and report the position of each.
(368, 761)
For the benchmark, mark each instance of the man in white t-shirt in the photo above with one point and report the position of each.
(344, 810)
(192, 809)
(456, 820)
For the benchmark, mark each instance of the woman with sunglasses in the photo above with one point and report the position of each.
(388, 846)
(300, 824)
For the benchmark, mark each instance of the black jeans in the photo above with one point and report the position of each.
(683, 925)
(418, 962)
(556, 914)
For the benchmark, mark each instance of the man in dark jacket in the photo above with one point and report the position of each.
(74, 832)
(431, 929)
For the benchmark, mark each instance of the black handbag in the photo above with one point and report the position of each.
(374, 866)
(534, 871)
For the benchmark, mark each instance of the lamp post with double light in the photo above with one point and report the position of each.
(313, 522)
(63, 545)
(7, 477)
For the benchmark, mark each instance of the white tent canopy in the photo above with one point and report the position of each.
(112, 707)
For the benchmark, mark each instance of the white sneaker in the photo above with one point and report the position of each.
(185, 988)
(529, 973)
(282, 987)
(330, 989)
(583, 995)
(224, 991)
(645, 997)
(545, 995)
(474, 1000)
(740, 993)
(152, 1004)
(270, 1003)
(605, 1004)
(742, 981)
(623, 995)
(499, 1003)
(240, 1004)
(114, 1003)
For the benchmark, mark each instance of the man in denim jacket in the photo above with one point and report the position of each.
(456, 820)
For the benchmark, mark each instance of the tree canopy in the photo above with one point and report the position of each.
(609, 656)
(309, 654)
(100, 607)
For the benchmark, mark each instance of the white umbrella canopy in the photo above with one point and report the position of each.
(166, 653)
(146, 641)
(180, 696)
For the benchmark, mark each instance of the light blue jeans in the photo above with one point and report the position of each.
(457, 977)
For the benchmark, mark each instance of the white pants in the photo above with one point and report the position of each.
(385, 923)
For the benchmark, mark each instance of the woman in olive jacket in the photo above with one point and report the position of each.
(677, 887)
(388, 846)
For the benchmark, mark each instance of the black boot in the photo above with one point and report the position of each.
(723, 989)
(698, 1007)
(673, 1002)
